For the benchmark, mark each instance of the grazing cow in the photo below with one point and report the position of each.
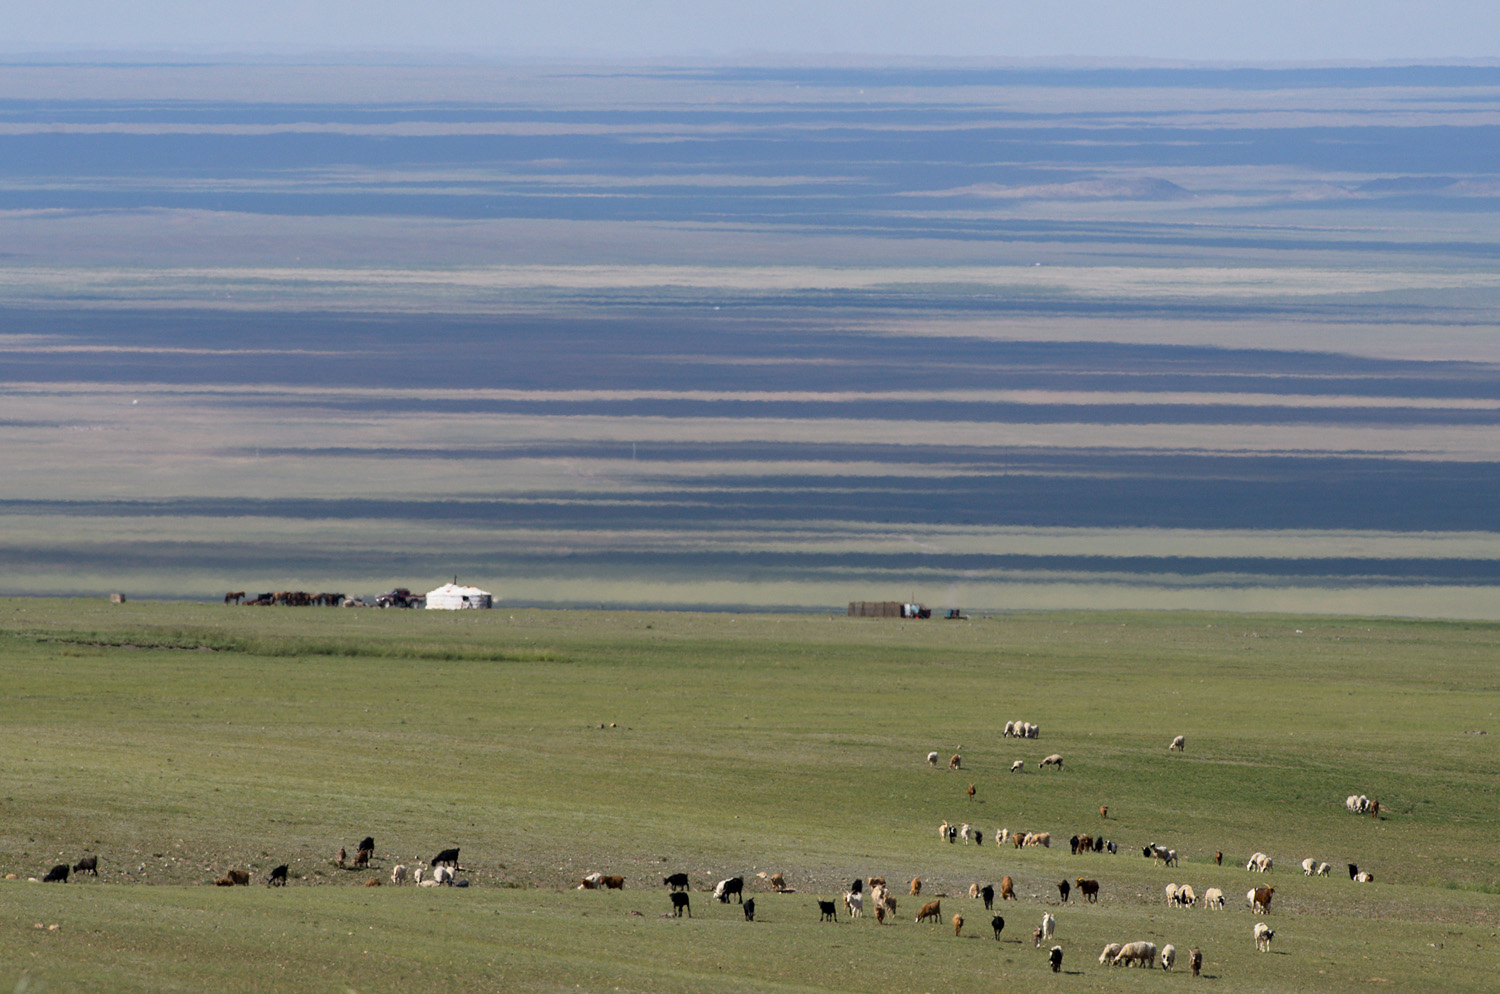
(1063, 890)
(1260, 897)
(1089, 889)
(677, 881)
(240, 878)
(1007, 889)
(1178, 744)
(277, 877)
(448, 857)
(958, 924)
(988, 893)
(1054, 957)
(1195, 960)
(680, 904)
(828, 910)
(735, 886)
(613, 883)
(916, 886)
(57, 875)
(749, 908)
(931, 910)
(998, 924)
(88, 864)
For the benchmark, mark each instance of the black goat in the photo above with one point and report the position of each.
(988, 893)
(750, 910)
(828, 910)
(677, 881)
(998, 924)
(57, 875)
(88, 864)
(277, 877)
(448, 857)
(680, 904)
(735, 886)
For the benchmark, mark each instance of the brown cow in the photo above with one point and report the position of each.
(932, 910)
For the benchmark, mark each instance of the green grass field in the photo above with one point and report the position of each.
(181, 740)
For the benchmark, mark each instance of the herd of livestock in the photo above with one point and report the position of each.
(444, 868)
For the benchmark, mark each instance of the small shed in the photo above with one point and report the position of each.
(452, 597)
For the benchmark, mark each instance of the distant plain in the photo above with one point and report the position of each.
(764, 337)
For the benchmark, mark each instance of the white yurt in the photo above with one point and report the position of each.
(452, 597)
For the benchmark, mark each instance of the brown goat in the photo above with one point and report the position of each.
(1090, 890)
(958, 924)
(613, 883)
(916, 886)
(1007, 889)
(240, 878)
(931, 910)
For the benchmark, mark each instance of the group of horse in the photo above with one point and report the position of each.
(286, 598)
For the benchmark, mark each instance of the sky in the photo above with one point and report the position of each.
(1236, 31)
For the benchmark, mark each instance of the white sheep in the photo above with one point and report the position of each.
(1186, 897)
(1263, 937)
(1053, 760)
(932, 759)
(1010, 729)
(1168, 957)
(1364, 878)
(1171, 891)
(1018, 766)
(1260, 863)
(964, 831)
(1309, 866)
(1213, 898)
(398, 873)
(1108, 955)
(1141, 953)
(1178, 744)
(1002, 836)
(443, 875)
(1321, 870)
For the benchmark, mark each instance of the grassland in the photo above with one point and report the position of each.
(179, 740)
